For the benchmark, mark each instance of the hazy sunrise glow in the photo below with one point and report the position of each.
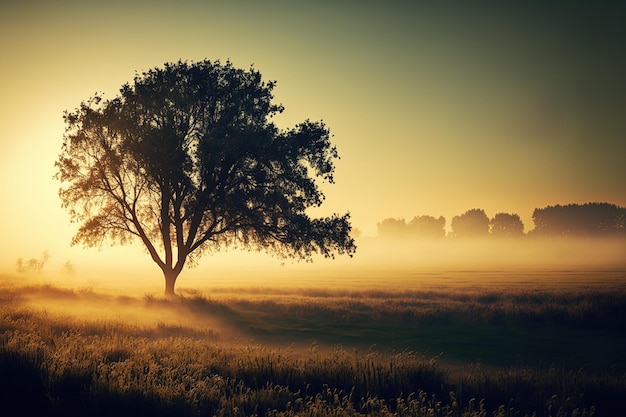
(435, 109)
(481, 158)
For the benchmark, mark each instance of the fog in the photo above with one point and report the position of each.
(378, 263)
(489, 253)
(129, 290)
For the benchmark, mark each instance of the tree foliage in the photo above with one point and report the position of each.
(419, 227)
(590, 219)
(392, 228)
(187, 160)
(32, 265)
(506, 225)
(427, 226)
(472, 223)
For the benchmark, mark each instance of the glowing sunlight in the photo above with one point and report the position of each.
(312, 208)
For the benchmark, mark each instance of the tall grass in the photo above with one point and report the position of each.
(582, 307)
(61, 365)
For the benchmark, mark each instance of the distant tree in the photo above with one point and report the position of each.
(392, 228)
(427, 227)
(68, 267)
(590, 219)
(506, 225)
(471, 224)
(35, 265)
(187, 161)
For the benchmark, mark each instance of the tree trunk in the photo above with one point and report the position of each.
(170, 280)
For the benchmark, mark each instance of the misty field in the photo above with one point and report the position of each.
(460, 343)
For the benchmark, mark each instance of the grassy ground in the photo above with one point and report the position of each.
(435, 350)
(575, 326)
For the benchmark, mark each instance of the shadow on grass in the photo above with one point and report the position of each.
(22, 391)
(115, 368)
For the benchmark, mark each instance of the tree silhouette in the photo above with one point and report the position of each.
(506, 225)
(187, 160)
(33, 264)
(427, 227)
(590, 219)
(392, 228)
(472, 223)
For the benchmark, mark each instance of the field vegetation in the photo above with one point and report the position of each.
(439, 350)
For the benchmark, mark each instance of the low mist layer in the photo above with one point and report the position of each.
(489, 253)
(382, 263)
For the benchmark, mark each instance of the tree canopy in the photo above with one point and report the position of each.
(589, 219)
(506, 225)
(420, 227)
(582, 220)
(392, 228)
(187, 160)
(427, 226)
(472, 223)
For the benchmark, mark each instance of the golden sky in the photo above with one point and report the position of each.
(435, 108)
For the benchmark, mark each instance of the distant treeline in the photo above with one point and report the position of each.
(590, 219)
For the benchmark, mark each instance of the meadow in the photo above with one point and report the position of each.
(454, 343)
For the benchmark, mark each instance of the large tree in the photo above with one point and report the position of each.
(187, 160)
